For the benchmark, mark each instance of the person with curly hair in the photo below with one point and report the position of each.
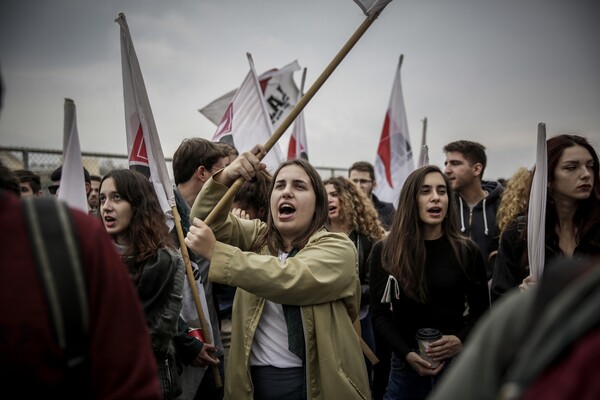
(131, 214)
(515, 197)
(352, 213)
(513, 202)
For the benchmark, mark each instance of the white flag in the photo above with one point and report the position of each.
(246, 121)
(536, 215)
(143, 145)
(278, 88)
(72, 179)
(370, 7)
(298, 146)
(394, 161)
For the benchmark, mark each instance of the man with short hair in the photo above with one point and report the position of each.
(362, 173)
(56, 176)
(94, 193)
(31, 184)
(194, 162)
(478, 200)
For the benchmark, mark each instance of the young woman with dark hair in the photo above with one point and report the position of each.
(131, 214)
(427, 270)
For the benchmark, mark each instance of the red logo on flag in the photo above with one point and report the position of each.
(138, 152)
(383, 151)
(226, 123)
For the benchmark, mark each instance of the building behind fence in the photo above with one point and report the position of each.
(44, 161)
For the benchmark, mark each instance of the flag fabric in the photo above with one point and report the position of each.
(298, 146)
(394, 160)
(143, 145)
(72, 179)
(246, 121)
(371, 7)
(536, 214)
(278, 88)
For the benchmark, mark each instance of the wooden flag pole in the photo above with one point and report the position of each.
(296, 110)
(234, 188)
(207, 333)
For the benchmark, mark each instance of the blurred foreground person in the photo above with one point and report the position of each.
(44, 352)
(542, 343)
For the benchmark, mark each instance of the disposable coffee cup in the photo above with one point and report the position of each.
(424, 337)
(196, 333)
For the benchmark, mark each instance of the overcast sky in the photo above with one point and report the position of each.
(483, 70)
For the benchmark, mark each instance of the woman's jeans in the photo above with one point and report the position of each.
(406, 384)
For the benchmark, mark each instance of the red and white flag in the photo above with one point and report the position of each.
(278, 88)
(394, 161)
(143, 145)
(246, 121)
(72, 179)
(298, 146)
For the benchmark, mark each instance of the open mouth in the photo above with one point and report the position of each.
(286, 209)
(435, 211)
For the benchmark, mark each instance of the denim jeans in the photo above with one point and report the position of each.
(406, 384)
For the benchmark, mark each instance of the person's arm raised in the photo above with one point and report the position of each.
(245, 165)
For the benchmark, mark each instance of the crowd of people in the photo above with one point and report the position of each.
(310, 288)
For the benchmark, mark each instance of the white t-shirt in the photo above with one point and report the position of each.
(270, 345)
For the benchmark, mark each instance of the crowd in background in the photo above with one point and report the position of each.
(315, 289)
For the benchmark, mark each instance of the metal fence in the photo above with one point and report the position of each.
(44, 161)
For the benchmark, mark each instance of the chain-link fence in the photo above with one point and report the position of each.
(44, 161)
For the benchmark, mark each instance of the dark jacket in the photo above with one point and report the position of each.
(385, 211)
(480, 223)
(160, 288)
(509, 266)
(363, 247)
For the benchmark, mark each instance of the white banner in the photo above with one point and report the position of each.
(72, 179)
